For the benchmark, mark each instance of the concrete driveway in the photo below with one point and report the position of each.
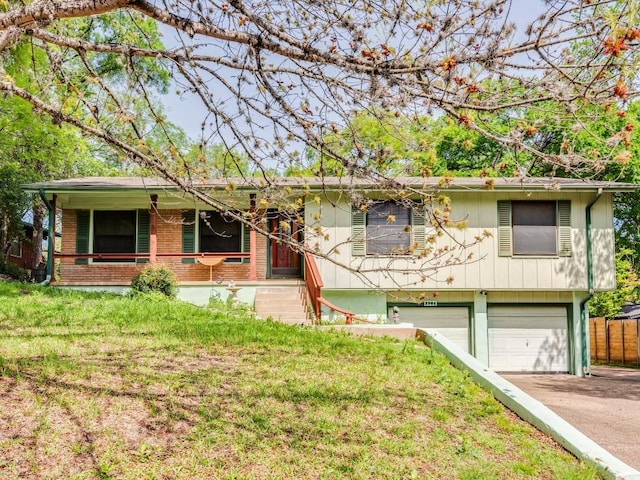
(605, 407)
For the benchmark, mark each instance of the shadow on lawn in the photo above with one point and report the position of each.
(87, 401)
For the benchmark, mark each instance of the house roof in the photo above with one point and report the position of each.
(28, 227)
(629, 312)
(336, 183)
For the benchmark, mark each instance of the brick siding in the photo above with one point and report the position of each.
(23, 261)
(169, 241)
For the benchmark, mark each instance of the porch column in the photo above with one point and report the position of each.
(52, 240)
(153, 229)
(253, 274)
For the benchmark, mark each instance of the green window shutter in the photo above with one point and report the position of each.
(358, 232)
(418, 229)
(189, 234)
(565, 248)
(246, 241)
(144, 232)
(505, 248)
(82, 235)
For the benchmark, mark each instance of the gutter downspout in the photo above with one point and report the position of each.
(584, 313)
(50, 240)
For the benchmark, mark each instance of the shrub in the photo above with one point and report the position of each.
(155, 279)
(11, 270)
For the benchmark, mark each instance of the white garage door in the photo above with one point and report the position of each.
(528, 339)
(452, 322)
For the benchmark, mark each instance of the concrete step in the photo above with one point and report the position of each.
(285, 304)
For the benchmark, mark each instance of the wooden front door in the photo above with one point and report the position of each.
(285, 262)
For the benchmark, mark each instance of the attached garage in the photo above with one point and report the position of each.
(528, 339)
(452, 322)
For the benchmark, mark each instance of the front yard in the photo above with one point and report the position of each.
(98, 386)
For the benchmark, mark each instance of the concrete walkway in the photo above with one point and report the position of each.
(605, 407)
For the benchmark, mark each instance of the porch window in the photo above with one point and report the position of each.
(213, 232)
(388, 229)
(219, 233)
(114, 231)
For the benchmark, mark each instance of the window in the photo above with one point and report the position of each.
(219, 233)
(213, 232)
(114, 231)
(537, 228)
(534, 228)
(388, 229)
(16, 248)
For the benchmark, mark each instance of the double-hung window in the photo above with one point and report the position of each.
(386, 228)
(534, 228)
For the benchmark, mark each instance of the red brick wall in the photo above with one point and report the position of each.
(25, 260)
(169, 241)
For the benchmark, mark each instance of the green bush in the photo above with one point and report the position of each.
(155, 279)
(11, 270)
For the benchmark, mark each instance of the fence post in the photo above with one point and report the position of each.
(606, 338)
(637, 342)
(595, 338)
(622, 328)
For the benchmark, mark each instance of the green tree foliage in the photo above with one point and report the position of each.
(33, 148)
(391, 144)
(607, 304)
(13, 205)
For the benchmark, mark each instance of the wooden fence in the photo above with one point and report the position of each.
(614, 341)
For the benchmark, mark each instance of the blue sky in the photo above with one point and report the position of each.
(188, 112)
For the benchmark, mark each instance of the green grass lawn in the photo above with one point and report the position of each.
(100, 386)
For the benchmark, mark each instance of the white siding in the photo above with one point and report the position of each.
(485, 270)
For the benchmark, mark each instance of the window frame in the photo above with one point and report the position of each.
(18, 242)
(518, 230)
(563, 230)
(92, 239)
(198, 236)
(407, 229)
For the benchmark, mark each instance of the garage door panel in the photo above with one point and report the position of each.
(451, 322)
(532, 338)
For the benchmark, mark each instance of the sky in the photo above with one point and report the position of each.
(187, 111)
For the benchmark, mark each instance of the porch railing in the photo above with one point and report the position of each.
(314, 285)
(133, 256)
(313, 282)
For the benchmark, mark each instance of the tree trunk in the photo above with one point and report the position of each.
(39, 211)
(5, 243)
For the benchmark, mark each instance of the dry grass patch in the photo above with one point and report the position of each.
(99, 387)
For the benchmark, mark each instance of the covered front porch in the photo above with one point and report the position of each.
(112, 231)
